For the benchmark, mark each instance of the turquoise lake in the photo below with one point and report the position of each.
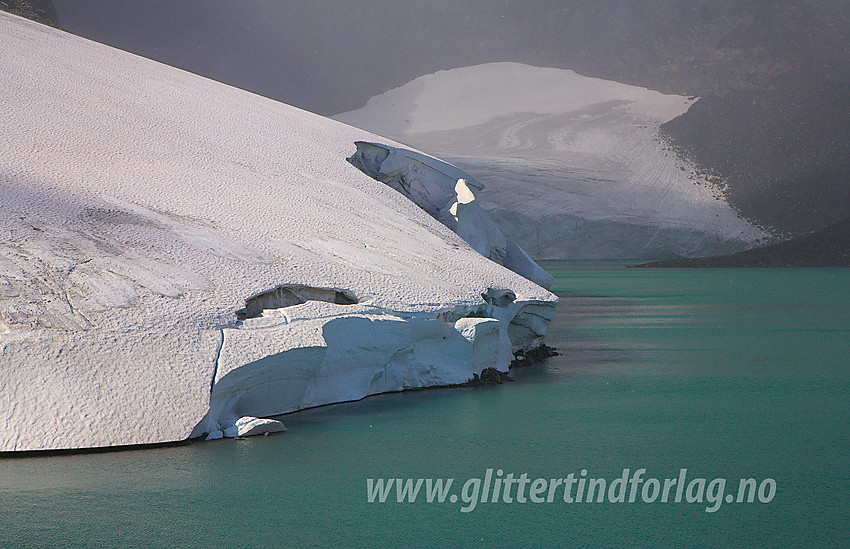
(728, 373)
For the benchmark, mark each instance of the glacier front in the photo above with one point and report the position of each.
(180, 258)
(576, 167)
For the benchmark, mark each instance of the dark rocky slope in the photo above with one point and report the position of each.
(41, 11)
(827, 247)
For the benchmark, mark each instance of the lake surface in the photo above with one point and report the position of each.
(726, 373)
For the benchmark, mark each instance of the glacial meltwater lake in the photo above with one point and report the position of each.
(730, 374)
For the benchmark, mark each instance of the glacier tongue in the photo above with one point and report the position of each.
(575, 167)
(180, 257)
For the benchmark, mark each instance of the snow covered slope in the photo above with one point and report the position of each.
(573, 167)
(179, 257)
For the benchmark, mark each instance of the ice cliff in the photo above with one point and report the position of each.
(449, 196)
(182, 258)
(576, 167)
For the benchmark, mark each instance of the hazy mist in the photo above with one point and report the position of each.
(774, 76)
(329, 56)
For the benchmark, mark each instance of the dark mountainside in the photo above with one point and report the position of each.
(827, 247)
(784, 152)
(41, 11)
(774, 77)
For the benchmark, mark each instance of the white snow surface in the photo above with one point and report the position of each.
(141, 206)
(573, 167)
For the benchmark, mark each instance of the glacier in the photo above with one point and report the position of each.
(180, 258)
(449, 196)
(576, 167)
